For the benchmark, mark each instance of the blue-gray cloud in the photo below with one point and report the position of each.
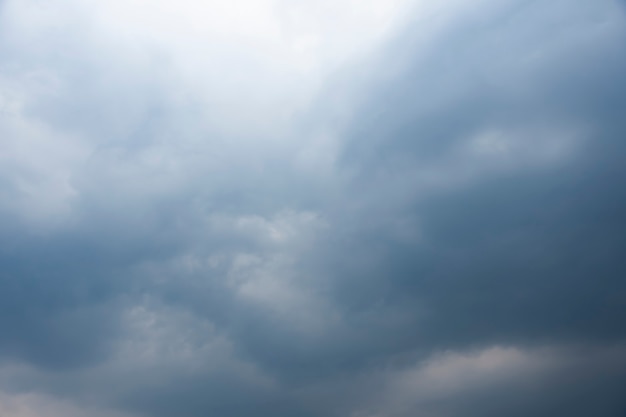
(264, 221)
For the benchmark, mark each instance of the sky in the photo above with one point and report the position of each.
(312, 208)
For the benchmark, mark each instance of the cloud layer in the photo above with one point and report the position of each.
(363, 209)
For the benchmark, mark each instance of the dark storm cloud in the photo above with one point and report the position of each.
(525, 250)
(460, 254)
(484, 212)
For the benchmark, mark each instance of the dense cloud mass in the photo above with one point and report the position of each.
(312, 208)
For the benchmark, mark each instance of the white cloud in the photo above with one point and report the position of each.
(36, 161)
(38, 405)
(252, 63)
(449, 379)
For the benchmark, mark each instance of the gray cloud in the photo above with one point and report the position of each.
(421, 218)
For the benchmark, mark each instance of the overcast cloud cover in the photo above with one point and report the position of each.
(312, 208)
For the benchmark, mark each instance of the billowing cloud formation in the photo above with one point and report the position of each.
(366, 209)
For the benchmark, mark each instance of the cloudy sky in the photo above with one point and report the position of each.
(312, 208)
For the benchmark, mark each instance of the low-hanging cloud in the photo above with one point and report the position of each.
(312, 208)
